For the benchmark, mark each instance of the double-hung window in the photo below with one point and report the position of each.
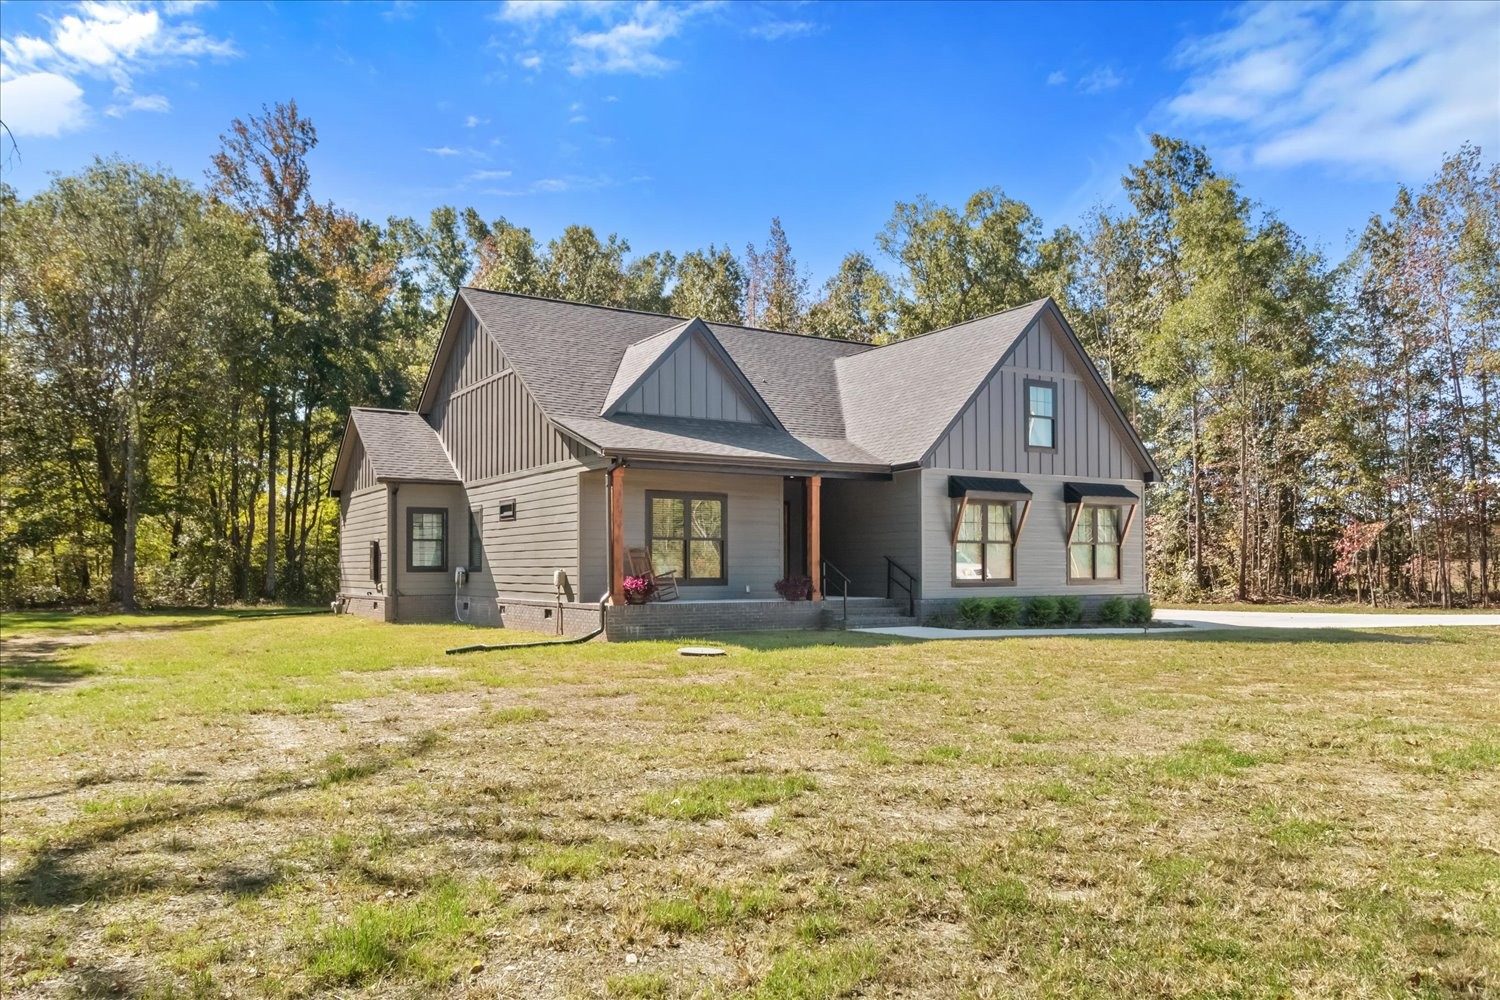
(984, 548)
(426, 539)
(1041, 415)
(685, 533)
(1094, 549)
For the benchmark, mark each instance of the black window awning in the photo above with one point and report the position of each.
(1084, 492)
(976, 486)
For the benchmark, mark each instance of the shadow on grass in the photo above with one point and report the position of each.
(1265, 636)
(16, 624)
(37, 669)
(50, 880)
(768, 642)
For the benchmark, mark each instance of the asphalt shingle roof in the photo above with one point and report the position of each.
(840, 402)
(402, 446)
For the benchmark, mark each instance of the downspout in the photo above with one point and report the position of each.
(392, 599)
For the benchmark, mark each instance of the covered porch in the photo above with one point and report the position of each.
(724, 539)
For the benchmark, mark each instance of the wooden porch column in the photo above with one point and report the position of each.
(617, 535)
(815, 535)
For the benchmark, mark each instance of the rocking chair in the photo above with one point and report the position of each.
(638, 563)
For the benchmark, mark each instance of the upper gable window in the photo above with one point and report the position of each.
(1041, 415)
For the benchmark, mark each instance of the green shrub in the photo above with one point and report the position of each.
(1070, 609)
(1042, 611)
(1114, 611)
(1004, 611)
(1138, 612)
(973, 612)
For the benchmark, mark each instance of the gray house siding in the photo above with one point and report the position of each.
(1041, 553)
(522, 554)
(364, 470)
(362, 514)
(865, 521)
(989, 434)
(488, 422)
(426, 595)
(754, 534)
(690, 382)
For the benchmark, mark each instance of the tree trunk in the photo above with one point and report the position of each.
(127, 589)
(1242, 592)
(272, 427)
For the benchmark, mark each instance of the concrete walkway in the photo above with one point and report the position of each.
(1204, 620)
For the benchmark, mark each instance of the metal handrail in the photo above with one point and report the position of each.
(891, 568)
(830, 567)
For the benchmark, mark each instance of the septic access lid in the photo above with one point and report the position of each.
(700, 651)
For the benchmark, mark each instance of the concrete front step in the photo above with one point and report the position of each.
(867, 612)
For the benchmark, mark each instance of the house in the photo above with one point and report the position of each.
(552, 438)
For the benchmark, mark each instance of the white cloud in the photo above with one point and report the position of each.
(1100, 79)
(44, 78)
(474, 121)
(1381, 88)
(142, 102)
(609, 36)
(1056, 78)
(629, 46)
(774, 31)
(489, 175)
(531, 60)
(42, 104)
(444, 151)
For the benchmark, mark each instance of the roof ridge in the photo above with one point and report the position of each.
(664, 315)
(954, 326)
(382, 409)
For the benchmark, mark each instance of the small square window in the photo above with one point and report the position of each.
(505, 510)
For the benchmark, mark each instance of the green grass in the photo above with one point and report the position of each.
(714, 798)
(222, 804)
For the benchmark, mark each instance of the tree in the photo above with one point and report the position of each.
(858, 303)
(957, 266)
(776, 292)
(710, 285)
(109, 275)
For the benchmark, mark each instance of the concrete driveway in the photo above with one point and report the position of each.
(1204, 619)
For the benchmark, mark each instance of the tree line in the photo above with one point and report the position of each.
(177, 361)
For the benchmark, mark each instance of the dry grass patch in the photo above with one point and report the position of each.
(294, 807)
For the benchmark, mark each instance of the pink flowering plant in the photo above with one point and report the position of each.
(638, 588)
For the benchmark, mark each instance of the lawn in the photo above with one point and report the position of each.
(218, 806)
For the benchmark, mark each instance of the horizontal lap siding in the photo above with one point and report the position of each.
(754, 531)
(1041, 553)
(865, 521)
(427, 584)
(990, 434)
(522, 555)
(362, 515)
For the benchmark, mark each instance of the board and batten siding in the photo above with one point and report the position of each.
(863, 522)
(364, 471)
(691, 382)
(754, 533)
(521, 555)
(362, 516)
(990, 433)
(1041, 555)
(486, 419)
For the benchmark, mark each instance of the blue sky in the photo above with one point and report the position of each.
(678, 125)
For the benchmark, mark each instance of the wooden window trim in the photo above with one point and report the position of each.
(1121, 527)
(1017, 521)
(1056, 417)
(722, 580)
(411, 513)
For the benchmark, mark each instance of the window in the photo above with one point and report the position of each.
(505, 510)
(1041, 415)
(375, 562)
(685, 533)
(1094, 549)
(476, 539)
(984, 547)
(426, 539)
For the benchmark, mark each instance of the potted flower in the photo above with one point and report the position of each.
(638, 589)
(795, 588)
